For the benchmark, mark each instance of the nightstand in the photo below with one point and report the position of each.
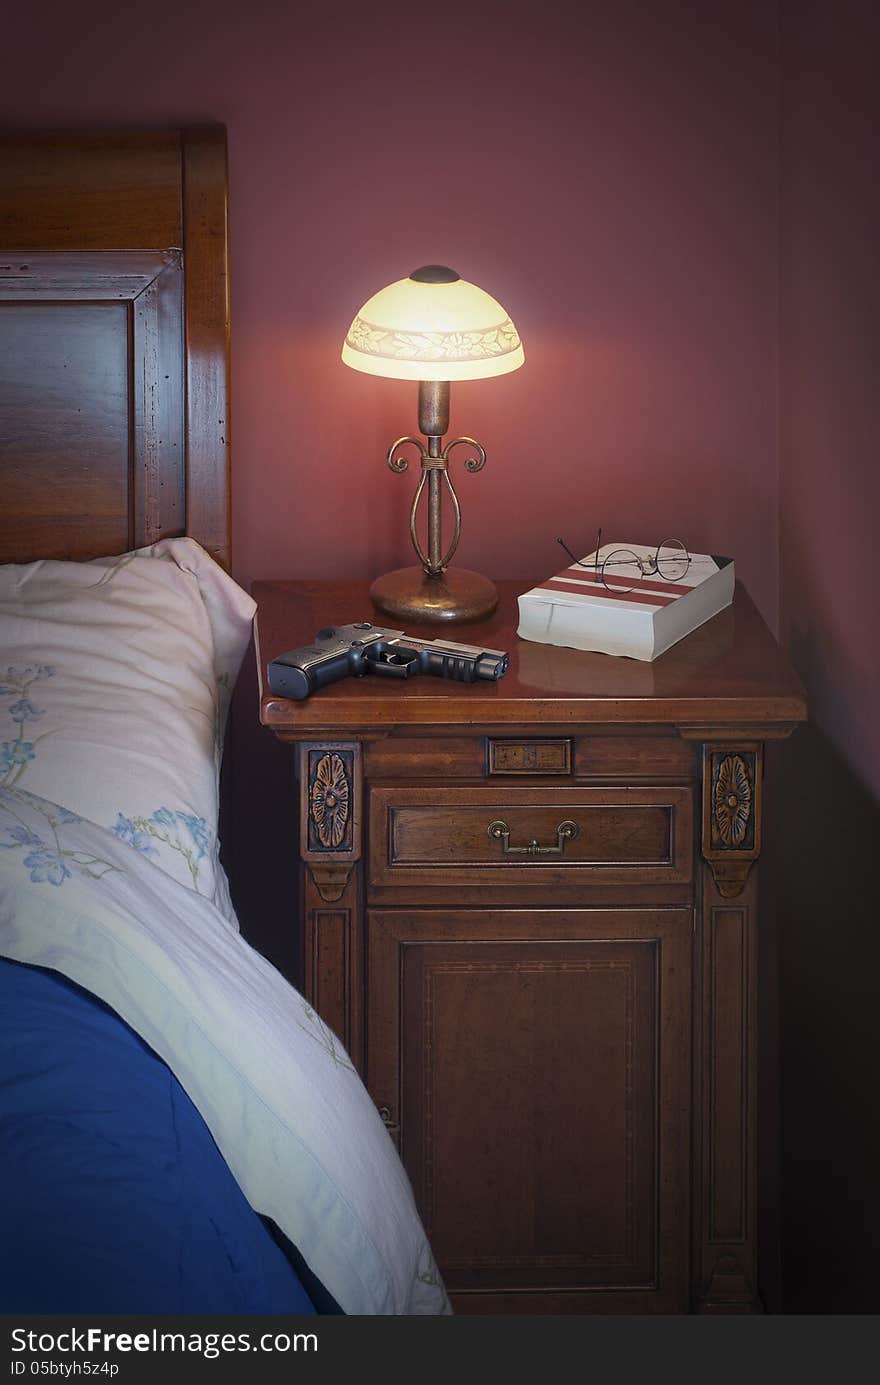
(528, 908)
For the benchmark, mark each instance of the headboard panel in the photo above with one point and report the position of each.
(114, 342)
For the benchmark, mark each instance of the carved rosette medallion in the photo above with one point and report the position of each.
(731, 801)
(731, 814)
(330, 788)
(329, 801)
(330, 838)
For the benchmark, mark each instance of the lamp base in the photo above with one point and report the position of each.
(410, 595)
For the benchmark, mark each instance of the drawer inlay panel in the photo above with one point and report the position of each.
(540, 756)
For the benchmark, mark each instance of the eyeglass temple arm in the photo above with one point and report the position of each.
(577, 562)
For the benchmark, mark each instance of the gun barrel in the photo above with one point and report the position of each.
(448, 659)
(492, 664)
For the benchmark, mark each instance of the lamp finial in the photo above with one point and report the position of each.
(435, 274)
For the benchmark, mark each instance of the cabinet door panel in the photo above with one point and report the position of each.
(537, 1063)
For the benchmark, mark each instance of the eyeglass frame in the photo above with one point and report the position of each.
(648, 566)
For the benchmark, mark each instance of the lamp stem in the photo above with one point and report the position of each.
(433, 591)
(434, 408)
(434, 422)
(435, 542)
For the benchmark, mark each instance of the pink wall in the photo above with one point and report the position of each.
(606, 168)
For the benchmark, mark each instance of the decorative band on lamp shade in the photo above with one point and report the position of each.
(416, 330)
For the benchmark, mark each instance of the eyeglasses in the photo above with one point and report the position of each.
(621, 569)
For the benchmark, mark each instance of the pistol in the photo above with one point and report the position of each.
(343, 651)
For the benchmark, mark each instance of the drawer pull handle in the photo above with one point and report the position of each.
(565, 832)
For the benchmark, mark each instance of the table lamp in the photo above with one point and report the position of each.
(433, 327)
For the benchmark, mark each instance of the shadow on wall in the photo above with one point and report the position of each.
(259, 828)
(829, 961)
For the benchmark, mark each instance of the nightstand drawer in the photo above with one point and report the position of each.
(476, 835)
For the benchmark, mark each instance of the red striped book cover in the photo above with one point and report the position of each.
(627, 599)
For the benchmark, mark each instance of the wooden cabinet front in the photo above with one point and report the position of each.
(529, 910)
(534, 1066)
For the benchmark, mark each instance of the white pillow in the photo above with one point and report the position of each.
(115, 679)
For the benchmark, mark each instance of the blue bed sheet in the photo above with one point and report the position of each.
(113, 1196)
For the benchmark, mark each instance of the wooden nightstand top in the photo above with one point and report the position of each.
(729, 672)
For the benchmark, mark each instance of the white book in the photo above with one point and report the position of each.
(630, 613)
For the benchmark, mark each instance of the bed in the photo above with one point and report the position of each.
(180, 1132)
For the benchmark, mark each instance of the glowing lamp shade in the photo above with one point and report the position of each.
(434, 327)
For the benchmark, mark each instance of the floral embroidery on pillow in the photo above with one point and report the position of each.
(15, 755)
(164, 826)
(184, 833)
(49, 863)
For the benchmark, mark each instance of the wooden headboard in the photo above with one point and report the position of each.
(114, 342)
